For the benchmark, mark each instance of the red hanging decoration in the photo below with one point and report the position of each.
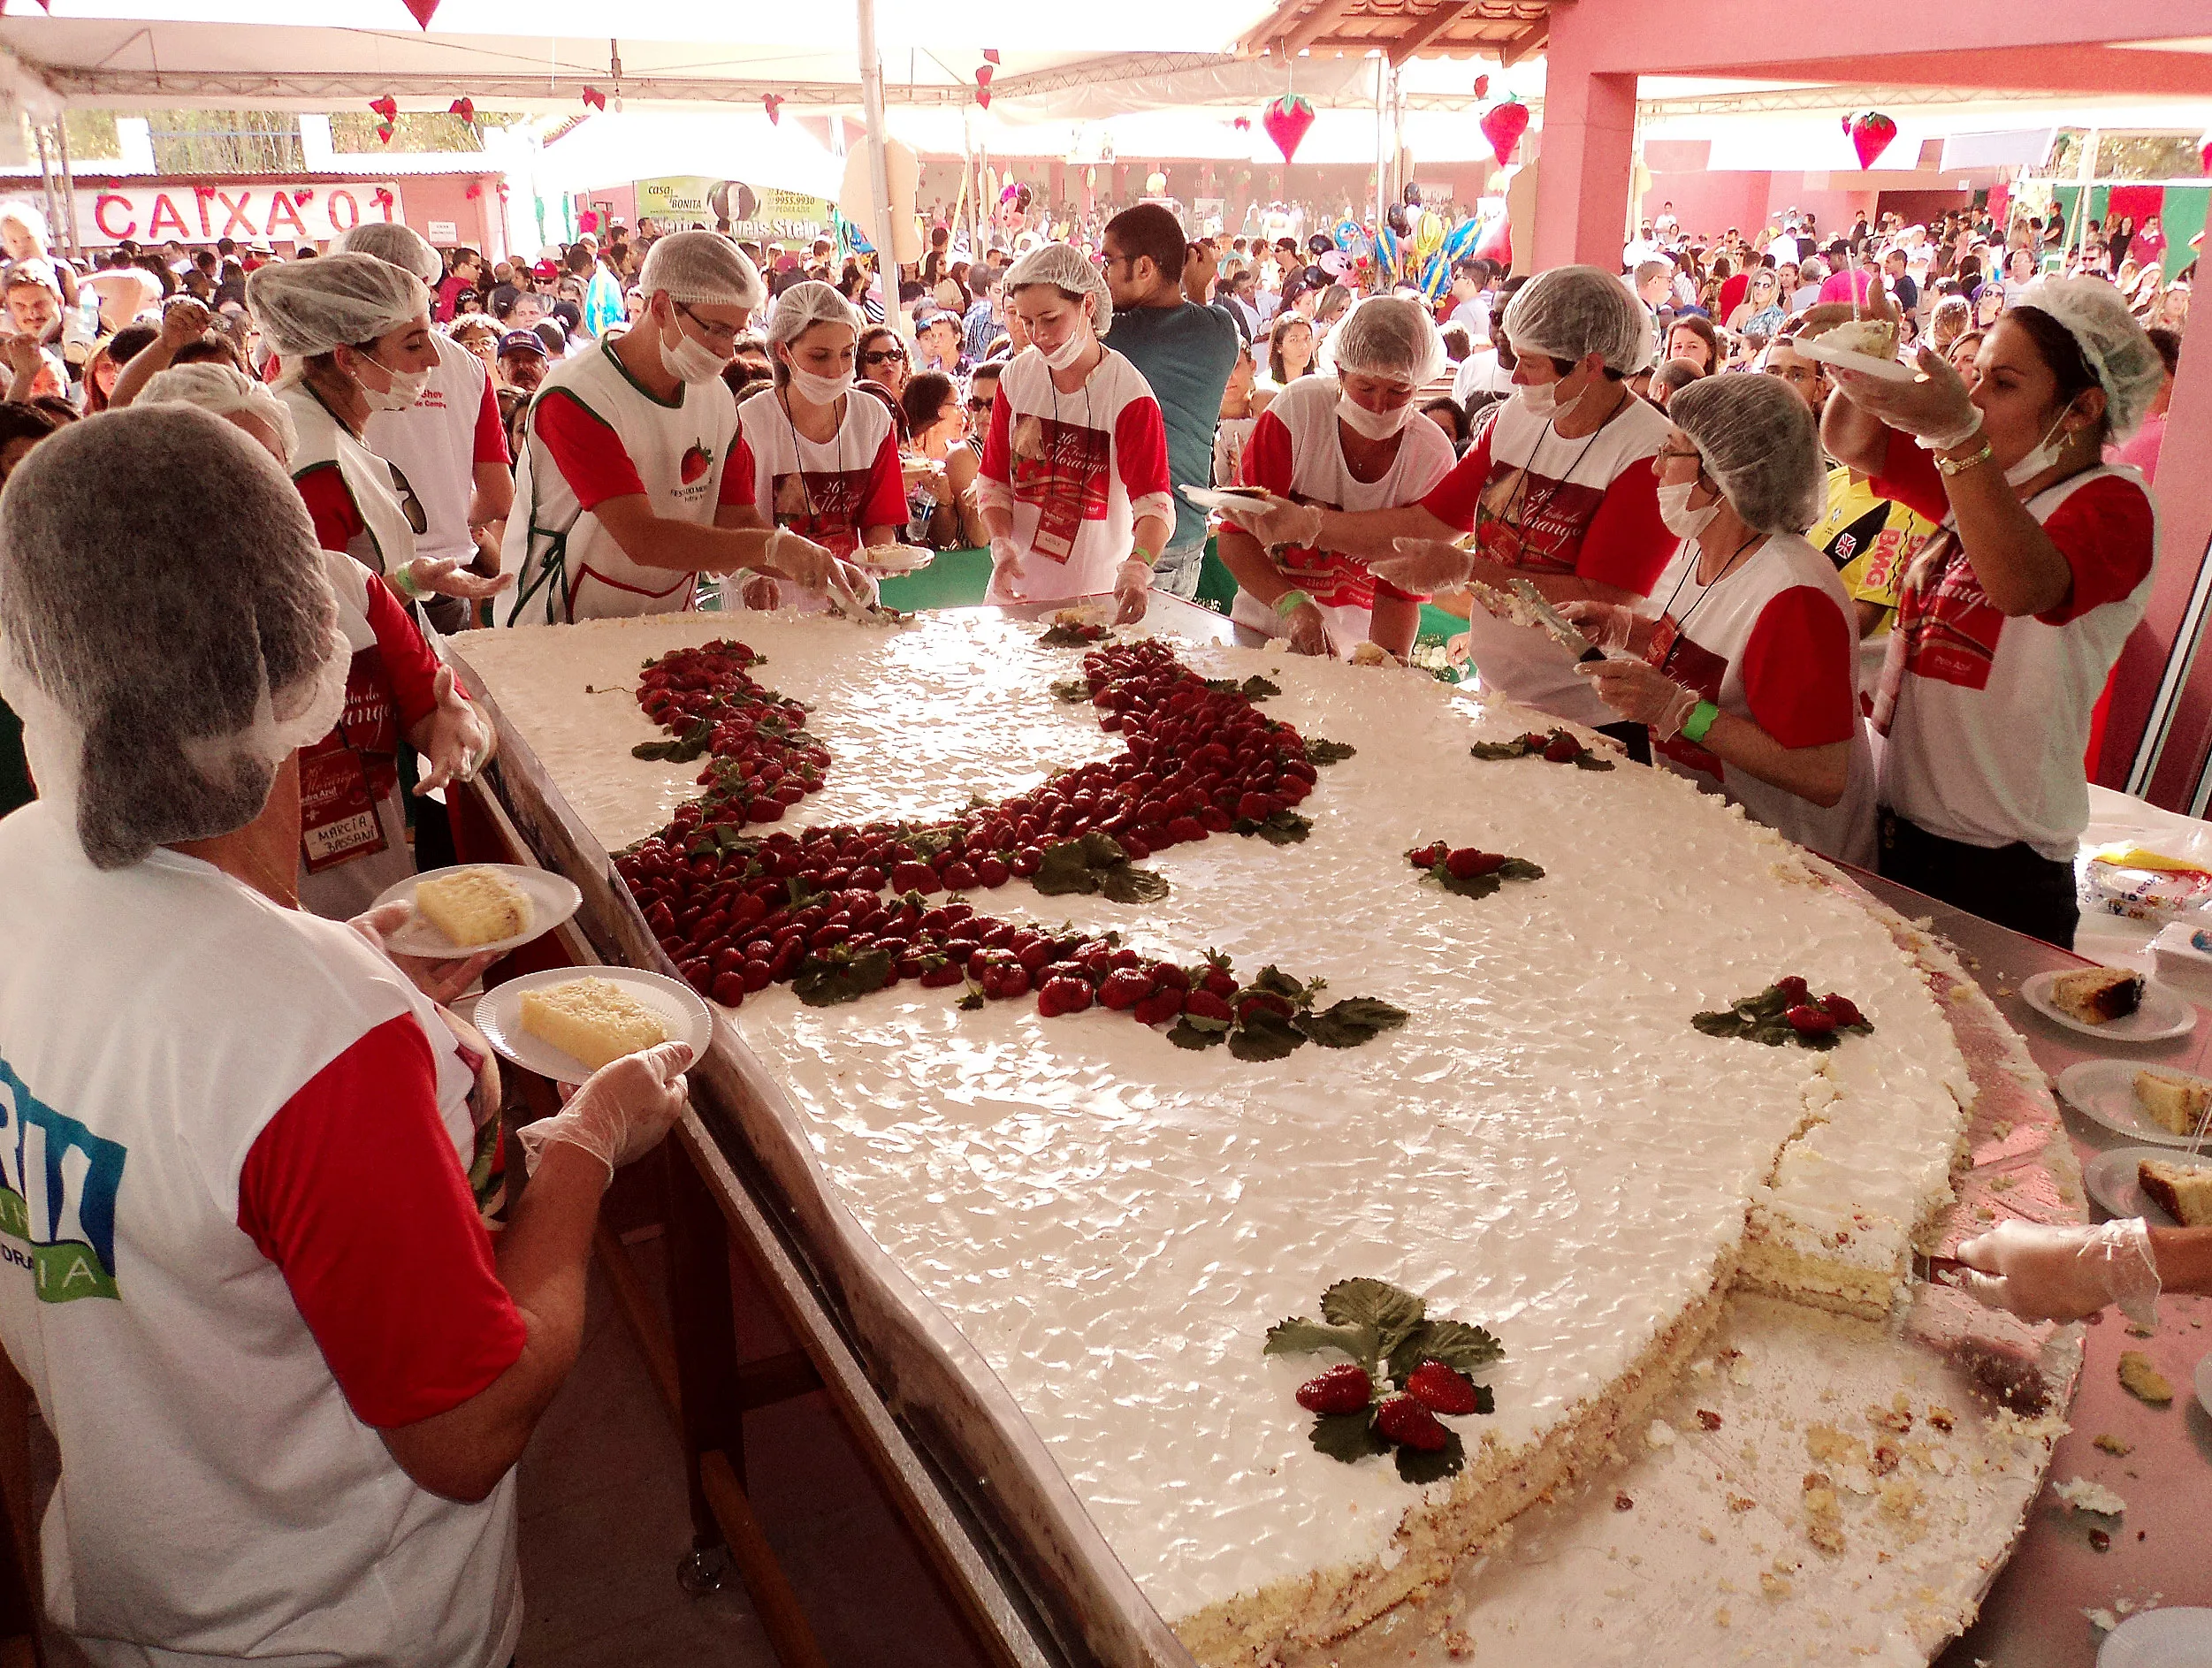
(1871, 133)
(383, 198)
(1287, 121)
(990, 55)
(383, 134)
(303, 196)
(475, 191)
(502, 191)
(464, 108)
(983, 96)
(387, 107)
(1481, 86)
(2204, 153)
(983, 75)
(773, 103)
(1243, 124)
(596, 99)
(1502, 125)
(423, 11)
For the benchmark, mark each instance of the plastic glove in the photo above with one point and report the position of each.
(454, 739)
(852, 591)
(1278, 521)
(1006, 570)
(1307, 628)
(621, 1111)
(2062, 1274)
(798, 559)
(441, 980)
(445, 576)
(1460, 651)
(1642, 693)
(1133, 590)
(762, 592)
(1936, 408)
(1606, 624)
(1424, 566)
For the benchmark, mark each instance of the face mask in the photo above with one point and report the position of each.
(1542, 400)
(2040, 456)
(407, 388)
(1375, 425)
(690, 360)
(1682, 520)
(821, 391)
(1068, 351)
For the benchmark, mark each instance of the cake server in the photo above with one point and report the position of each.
(1570, 639)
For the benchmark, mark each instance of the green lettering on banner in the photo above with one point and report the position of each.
(68, 1271)
(15, 1215)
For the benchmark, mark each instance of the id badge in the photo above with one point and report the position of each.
(338, 810)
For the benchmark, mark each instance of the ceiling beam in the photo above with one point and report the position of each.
(1270, 31)
(1529, 40)
(1315, 24)
(1426, 30)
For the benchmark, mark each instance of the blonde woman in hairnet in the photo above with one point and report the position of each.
(1074, 484)
(2015, 611)
(1747, 675)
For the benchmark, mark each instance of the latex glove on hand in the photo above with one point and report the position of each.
(441, 980)
(761, 591)
(445, 576)
(800, 560)
(852, 591)
(1307, 630)
(1642, 693)
(1006, 570)
(1424, 566)
(454, 740)
(2043, 1273)
(621, 1111)
(1936, 408)
(1606, 624)
(1133, 590)
(1278, 522)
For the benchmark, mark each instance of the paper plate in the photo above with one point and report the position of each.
(2103, 1090)
(893, 559)
(1209, 497)
(2177, 1638)
(553, 898)
(500, 1016)
(2110, 1177)
(2162, 1015)
(1889, 369)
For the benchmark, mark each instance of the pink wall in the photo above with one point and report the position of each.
(429, 197)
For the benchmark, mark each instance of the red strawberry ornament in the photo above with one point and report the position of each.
(422, 11)
(1481, 86)
(1243, 125)
(771, 103)
(387, 107)
(596, 99)
(1502, 125)
(983, 96)
(464, 108)
(983, 73)
(383, 134)
(1287, 121)
(1871, 133)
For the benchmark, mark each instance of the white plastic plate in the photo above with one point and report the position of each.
(1889, 369)
(893, 559)
(1209, 497)
(2164, 1013)
(2109, 1177)
(553, 898)
(500, 1016)
(2177, 1638)
(2103, 1090)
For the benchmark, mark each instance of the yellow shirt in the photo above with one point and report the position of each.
(1871, 540)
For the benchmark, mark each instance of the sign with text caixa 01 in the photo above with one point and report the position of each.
(273, 211)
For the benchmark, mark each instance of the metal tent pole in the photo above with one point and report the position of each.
(1382, 165)
(70, 243)
(878, 174)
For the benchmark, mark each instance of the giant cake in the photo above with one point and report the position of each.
(1548, 1147)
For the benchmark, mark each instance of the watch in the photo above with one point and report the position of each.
(1979, 455)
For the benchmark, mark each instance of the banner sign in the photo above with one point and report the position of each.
(274, 211)
(758, 214)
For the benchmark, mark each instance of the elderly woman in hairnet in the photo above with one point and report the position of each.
(810, 456)
(1557, 490)
(2015, 609)
(1342, 442)
(1074, 483)
(205, 1287)
(1748, 674)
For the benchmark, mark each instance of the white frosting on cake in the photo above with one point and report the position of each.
(1548, 1147)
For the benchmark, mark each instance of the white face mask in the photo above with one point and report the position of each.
(1682, 520)
(407, 388)
(1375, 425)
(820, 390)
(2041, 455)
(1542, 400)
(1068, 351)
(690, 360)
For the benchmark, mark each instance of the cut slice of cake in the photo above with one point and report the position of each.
(1875, 337)
(2184, 1191)
(2098, 995)
(473, 906)
(2178, 1104)
(594, 1020)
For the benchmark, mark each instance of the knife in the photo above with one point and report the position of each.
(1572, 641)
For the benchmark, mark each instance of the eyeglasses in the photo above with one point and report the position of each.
(980, 404)
(717, 335)
(1664, 456)
(884, 355)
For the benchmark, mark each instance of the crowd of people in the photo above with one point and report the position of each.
(247, 495)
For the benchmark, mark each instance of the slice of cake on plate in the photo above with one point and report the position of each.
(473, 906)
(594, 1020)
(2184, 1191)
(1873, 338)
(2098, 995)
(2176, 1102)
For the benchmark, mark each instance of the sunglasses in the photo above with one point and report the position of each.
(882, 354)
(412, 506)
(980, 404)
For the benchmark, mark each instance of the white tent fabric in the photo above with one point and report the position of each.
(612, 150)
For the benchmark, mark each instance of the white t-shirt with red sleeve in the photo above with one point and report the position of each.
(595, 433)
(1296, 450)
(436, 442)
(1076, 470)
(1986, 718)
(832, 491)
(1586, 506)
(238, 1239)
(1775, 642)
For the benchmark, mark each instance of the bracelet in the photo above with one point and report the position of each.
(403, 581)
(1290, 602)
(1699, 721)
(1958, 466)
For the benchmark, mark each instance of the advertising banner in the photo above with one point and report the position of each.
(760, 214)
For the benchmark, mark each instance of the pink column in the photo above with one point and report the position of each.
(2183, 492)
(1589, 143)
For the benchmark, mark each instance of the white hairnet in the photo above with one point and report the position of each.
(29, 218)
(306, 308)
(1067, 269)
(401, 245)
(223, 389)
(802, 307)
(1757, 440)
(167, 633)
(701, 269)
(2127, 367)
(1573, 310)
(1389, 337)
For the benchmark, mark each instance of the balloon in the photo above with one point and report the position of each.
(1427, 232)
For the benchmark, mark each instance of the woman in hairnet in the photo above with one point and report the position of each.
(810, 456)
(1074, 484)
(1748, 676)
(208, 1288)
(1345, 441)
(1557, 490)
(2015, 609)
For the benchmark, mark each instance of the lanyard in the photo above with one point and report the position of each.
(1682, 626)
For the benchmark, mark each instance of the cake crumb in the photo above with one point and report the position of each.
(1901, 1497)
(1942, 1418)
(1897, 1416)
(1707, 1535)
(1828, 1445)
(2141, 1379)
(1458, 1644)
(1710, 1419)
(1721, 1616)
(2100, 1542)
(2001, 1128)
(1885, 1460)
(2116, 1446)
(1773, 1585)
(1740, 1503)
(2083, 1495)
(1661, 1435)
(1623, 1503)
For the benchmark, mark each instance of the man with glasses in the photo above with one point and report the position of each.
(625, 493)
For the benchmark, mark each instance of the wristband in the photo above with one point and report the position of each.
(1699, 721)
(1139, 554)
(1289, 603)
(403, 581)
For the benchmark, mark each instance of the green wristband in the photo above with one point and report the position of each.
(403, 581)
(1289, 603)
(1699, 721)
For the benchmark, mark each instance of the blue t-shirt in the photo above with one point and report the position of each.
(1185, 352)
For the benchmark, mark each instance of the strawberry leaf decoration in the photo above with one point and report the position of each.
(1788, 1012)
(1351, 1022)
(1468, 873)
(1462, 1348)
(1278, 827)
(1265, 1034)
(838, 975)
(1067, 635)
(1072, 690)
(1350, 1437)
(1393, 1313)
(1300, 1337)
(1320, 752)
(1557, 747)
(1422, 1468)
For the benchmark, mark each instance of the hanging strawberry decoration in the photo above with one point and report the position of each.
(983, 96)
(464, 108)
(983, 73)
(384, 199)
(1871, 133)
(773, 103)
(1287, 121)
(423, 11)
(383, 134)
(1503, 124)
(1481, 86)
(2204, 153)
(1243, 124)
(596, 99)
(303, 196)
(990, 55)
(475, 191)
(387, 107)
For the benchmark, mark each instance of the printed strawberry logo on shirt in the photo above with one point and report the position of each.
(696, 463)
(1948, 632)
(1061, 468)
(1529, 520)
(823, 505)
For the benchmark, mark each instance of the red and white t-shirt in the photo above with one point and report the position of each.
(1774, 642)
(1076, 470)
(242, 1240)
(436, 442)
(1988, 717)
(1586, 506)
(1296, 450)
(831, 492)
